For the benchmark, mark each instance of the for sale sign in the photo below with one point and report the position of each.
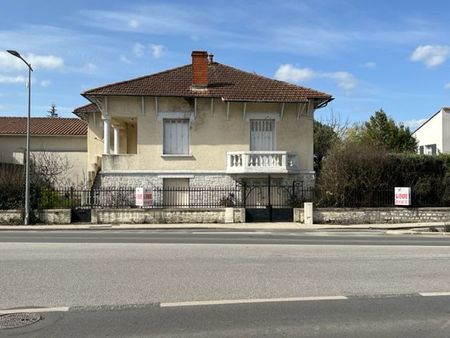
(402, 196)
(144, 197)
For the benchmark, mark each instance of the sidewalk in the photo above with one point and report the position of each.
(238, 226)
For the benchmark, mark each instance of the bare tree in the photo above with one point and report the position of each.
(50, 167)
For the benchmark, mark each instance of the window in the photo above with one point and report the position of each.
(430, 149)
(262, 134)
(176, 137)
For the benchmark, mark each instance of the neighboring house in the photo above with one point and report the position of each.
(433, 136)
(202, 124)
(51, 139)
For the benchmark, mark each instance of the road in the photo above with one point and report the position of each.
(236, 283)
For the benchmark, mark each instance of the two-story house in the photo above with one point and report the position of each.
(433, 136)
(202, 124)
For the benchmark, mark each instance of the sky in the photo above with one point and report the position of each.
(393, 55)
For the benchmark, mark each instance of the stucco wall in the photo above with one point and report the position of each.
(212, 135)
(70, 148)
(445, 131)
(431, 132)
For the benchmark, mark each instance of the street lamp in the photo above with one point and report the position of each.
(27, 151)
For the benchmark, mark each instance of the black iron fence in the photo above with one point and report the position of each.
(245, 196)
(191, 197)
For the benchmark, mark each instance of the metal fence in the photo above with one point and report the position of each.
(245, 196)
(191, 197)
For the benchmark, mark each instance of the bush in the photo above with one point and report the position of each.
(353, 170)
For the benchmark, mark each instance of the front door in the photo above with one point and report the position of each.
(262, 135)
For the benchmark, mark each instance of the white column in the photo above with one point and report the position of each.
(106, 135)
(116, 140)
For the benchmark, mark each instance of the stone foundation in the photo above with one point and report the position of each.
(133, 179)
(165, 216)
(374, 215)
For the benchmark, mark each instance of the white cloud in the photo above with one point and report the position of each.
(89, 68)
(133, 23)
(157, 50)
(370, 64)
(13, 79)
(138, 49)
(10, 63)
(45, 83)
(124, 59)
(447, 86)
(431, 55)
(344, 80)
(45, 61)
(290, 73)
(414, 124)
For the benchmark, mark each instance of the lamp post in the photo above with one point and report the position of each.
(27, 151)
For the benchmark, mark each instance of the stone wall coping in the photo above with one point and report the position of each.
(159, 209)
(380, 209)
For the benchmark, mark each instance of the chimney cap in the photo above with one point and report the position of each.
(199, 53)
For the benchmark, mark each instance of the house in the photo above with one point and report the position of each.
(51, 139)
(433, 136)
(202, 124)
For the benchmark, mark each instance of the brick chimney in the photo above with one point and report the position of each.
(199, 69)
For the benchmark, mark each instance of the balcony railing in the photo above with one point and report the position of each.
(241, 162)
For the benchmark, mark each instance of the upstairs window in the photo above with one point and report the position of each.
(262, 134)
(176, 137)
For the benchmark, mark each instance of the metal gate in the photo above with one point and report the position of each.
(269, 200)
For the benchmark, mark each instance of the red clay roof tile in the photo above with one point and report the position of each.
(224, 82)
(43, 126)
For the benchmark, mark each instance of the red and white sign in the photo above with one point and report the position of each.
(144, 197)
(402, 196)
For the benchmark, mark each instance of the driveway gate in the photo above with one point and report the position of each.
(269, 200)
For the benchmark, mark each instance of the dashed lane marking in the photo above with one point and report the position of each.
(434, 294)
(35, 310)
(249, 301)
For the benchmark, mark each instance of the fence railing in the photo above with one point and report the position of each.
(244, 196)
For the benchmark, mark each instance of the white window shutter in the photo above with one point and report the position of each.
(176, 136)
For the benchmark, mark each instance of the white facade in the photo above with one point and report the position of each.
(433, 137)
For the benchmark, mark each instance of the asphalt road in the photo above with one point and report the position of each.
(114, 283)
(406, 316)
(223, 237)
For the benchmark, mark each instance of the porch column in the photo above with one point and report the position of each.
(106, 135)
(116, 140)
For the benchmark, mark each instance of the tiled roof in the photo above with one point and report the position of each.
(224, 82)
(43, 126)
(83, 111)
(88, 108)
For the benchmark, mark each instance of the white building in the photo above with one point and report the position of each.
(433, 136)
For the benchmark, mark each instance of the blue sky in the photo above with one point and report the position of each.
(393, 55)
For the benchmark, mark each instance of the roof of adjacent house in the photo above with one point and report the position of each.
(43, 126)
(225, 82)
(446, 109)
(83, 111)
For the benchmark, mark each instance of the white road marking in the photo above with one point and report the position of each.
(230, 233)
(34, 310)
(434, 294)
(250, 301)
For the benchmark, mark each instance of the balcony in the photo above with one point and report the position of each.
(263, 162)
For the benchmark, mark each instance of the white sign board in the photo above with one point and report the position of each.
(144, 197)
(402, 196)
